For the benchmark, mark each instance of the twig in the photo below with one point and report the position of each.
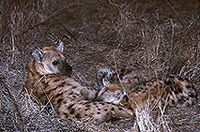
(172, 38)
(114, 7)
(2, 107)
(158, 45)
(13, 15)
(116, 70)
(197, 49)
(118, 128)
(174, 10)
(144, 35)
(99, 26)
(13, 47)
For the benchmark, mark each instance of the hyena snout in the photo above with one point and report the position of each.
(65, 69)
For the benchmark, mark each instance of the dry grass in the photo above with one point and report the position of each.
(146, 36)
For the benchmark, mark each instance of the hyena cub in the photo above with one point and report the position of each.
(110, 90)
(48, 79)
(136, 91)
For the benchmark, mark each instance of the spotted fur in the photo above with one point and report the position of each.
(168, 91)
(48, 79)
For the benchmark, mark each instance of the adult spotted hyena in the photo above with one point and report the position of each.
(48, 79)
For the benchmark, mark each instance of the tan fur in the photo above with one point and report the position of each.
(68, 96)
(169, 91)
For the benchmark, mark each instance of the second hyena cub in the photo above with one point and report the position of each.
(136, 91)
(48, 79)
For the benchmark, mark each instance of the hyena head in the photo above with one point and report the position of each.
(50, 60)
(111, 91)
(118, 92)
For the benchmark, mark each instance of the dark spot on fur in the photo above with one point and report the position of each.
(59, 100)
(180, 78)
(87, 109)
(180, 100)
(58, 107)
(86, 115)
(46, 93)
(66, 115)
(74, 96)
(43, 81)
(70, 106)
(188, 86)
(186, 79)
(168, 82)
(62, 84)
(78, 116)
(105, 109)
(173, 102)
(87, 105)
(99, 109)
(43, 94)
(94, 103)
(46, 84)
(59, 94)
(56, 80)
(192, 95)
(73, 87)
(112, 108)
(98, 113)
(51, 90)
(179, 90)
(64, 102)
(156, 86)
(71, 92)
(51, 76)
(102, 103)
(120, 108)
(72, 111)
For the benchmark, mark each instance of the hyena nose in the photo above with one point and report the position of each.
(66, 69)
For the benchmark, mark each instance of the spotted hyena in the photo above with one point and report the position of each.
(48, 80)
(136, 91)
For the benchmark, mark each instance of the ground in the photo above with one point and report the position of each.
(151, 37)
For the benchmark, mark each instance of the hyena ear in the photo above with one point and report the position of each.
(61, 46)
(38, 54)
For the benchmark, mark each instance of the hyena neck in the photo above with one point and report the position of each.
(34, 70)
(34, 75)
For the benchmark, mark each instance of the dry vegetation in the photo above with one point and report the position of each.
(148, 36)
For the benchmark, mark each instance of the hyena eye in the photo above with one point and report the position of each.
(55, 63)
